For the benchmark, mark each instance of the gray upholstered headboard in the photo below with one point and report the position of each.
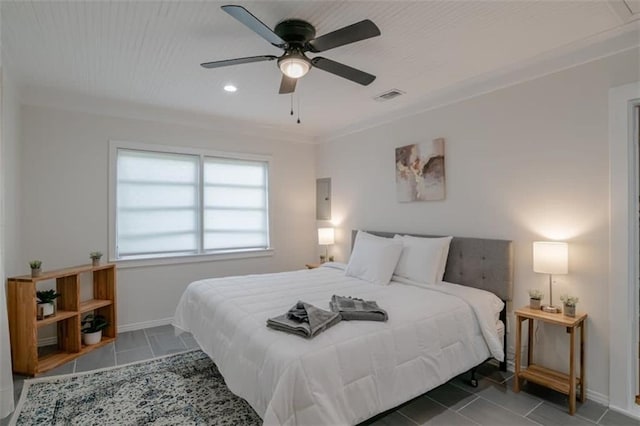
(474, 262)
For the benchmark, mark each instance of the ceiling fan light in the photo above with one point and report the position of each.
(294, 67)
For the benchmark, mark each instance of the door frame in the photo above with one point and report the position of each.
(623, 250)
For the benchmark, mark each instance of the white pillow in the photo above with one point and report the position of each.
(423, 259)
(373, 258)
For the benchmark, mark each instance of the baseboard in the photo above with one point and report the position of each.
(46, 341)
(629, 413)
(144, 324)
(598, 397)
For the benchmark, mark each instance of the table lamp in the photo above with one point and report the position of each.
(550, 258)
(326, 237)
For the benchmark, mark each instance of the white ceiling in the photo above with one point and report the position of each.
(149, 52)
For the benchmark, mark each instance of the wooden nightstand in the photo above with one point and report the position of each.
(312, 265)
(555, 380)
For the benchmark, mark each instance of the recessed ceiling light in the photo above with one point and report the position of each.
(230, 88)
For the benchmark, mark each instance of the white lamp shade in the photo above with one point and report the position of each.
(326, 236)
(550, 257)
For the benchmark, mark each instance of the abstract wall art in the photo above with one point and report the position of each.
(420, 171)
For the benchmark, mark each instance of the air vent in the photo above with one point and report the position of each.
(388, 95)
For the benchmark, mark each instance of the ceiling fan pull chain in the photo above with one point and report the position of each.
(291, 103)
(298, 109)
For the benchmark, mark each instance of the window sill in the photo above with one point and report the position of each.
(191, 258)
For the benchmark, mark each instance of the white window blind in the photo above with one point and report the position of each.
(174, 204)
(235, 204)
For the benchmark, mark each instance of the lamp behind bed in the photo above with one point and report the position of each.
(481, 263)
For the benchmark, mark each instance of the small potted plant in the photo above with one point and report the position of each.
(570, 303)
(46, 303)
(35, 267)
(535, 296)
(95, 257)
(92, 326)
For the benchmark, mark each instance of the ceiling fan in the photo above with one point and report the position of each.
(296, 37)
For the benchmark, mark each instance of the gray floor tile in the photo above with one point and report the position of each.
(131, 340)
(503, 395)
(5, 421)
(134, 355)
(543, 393)
(164, 344)
(450, 418)
(98, 358)
(422, 409)
(189, 341)
(613, 418)
(492, 371)
(66, 368)
(549, 415)
(393, 419)
(462, 381)
(589, 410)
(161, 329)
(451, 396)
(489, 414)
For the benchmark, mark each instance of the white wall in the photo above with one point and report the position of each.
(11, 176)
(64, 205)
(9, 220)
(525, 163)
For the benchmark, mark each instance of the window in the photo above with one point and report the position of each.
(187, 202)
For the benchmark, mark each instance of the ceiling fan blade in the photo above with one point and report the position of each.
(343, 70)
(287, 85)
(253, 23)
(237, 61)
(359, 31)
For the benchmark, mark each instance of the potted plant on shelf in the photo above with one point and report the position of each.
(92, 326)
(95, 257)
(46, 303)
(35, 267)
(570, 303)
(535, 296)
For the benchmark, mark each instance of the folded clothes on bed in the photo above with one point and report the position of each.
(351, 308)
(304, 320)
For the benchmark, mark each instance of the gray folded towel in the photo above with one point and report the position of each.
(357, 309)
(304, 320)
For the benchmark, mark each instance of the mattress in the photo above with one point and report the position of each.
(352, 371)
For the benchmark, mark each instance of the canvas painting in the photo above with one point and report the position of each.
(420, 171)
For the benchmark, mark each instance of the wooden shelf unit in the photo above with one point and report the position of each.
(561, 382)
(24, 325)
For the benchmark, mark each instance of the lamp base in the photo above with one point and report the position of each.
(551, 309)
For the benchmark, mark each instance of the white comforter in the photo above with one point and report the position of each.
(350, 372)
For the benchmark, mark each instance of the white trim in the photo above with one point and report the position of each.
(144, 324)
(48, 341)
(192, 258)
(67, 100)
(597, 47)
(623, 255)
(133, 262)
(598, 397)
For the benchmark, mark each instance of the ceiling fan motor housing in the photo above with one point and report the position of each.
(295, 32)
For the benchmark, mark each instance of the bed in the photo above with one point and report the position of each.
(356, 369)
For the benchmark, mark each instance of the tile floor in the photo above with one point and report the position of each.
(492, 403)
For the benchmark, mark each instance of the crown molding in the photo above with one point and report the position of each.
(605, 44)
(622, 10)
(77, 102)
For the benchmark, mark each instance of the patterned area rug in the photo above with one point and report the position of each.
(182, 389)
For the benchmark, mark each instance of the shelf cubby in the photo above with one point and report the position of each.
(24, 325)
